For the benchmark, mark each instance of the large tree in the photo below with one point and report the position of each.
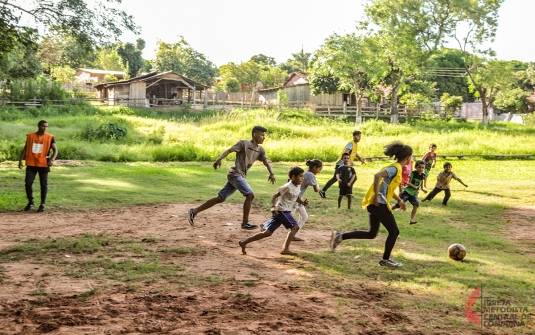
(413, 30)
(185, 60)
(91, 23)
(131, 57)
(353, 60)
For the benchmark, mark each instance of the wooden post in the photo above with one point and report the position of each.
(194, 91)
(329, 108)
(242, 99)
(205, 99)
(344, 105)
(216, 96)
(377, 111)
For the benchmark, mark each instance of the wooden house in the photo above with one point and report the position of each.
(152, 89)
(297, 88)
(97, 76)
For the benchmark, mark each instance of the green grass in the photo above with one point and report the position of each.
(180, 136)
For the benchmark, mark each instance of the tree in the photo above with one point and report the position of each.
(181, 58)
(263, 59)
(451, 103)
(231, 85)
(487, 78)
(514, 101)
(300, 61)
(413, 30)
(247, 74)
(109, 59)
(272, 76)
(131, 56)
(60, 49)
(90, 23)
(446, 69)
(353, 61)
(22, 60)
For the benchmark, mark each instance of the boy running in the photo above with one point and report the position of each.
(443, 184)
(410, 191)
(247, 152)
(288, 196)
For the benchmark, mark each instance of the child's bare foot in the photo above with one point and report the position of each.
(242, 245)
(412, 222)
(288, 252)
(298, 239)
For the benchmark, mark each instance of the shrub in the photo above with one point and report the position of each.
(108, 131)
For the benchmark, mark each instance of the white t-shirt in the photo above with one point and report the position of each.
(288, 196)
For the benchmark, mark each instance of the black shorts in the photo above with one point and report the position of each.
(345, 190)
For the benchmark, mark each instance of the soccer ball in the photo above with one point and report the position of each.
(456, 251)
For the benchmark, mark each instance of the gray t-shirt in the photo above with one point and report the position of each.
(309, 179)
(383, 189)
(246, 155)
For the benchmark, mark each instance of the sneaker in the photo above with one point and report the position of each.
(389, 262)
(41, 209)
(248, 226)
(191, 216)
(336, 238)
(29, 206)
(322, 194)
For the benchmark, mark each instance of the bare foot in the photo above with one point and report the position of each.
(288, 252)
(412, 222)
(242, 245)
(298, 239)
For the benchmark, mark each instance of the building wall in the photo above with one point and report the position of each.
(302, 93)
(136, 94)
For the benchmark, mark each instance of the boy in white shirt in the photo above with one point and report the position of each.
(287, 195)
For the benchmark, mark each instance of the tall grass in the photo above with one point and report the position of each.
(201, 136)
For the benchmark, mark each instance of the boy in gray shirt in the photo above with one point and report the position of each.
(247, 152)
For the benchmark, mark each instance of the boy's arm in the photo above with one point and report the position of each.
(271, 177)
(274, 208)
(316, 188)
(400, 202)
(338, 177)
(458, 179)
(352, 180)
(54, 155)
(376, 183)
(302, 202)
(409, 183)
(22, 156)
(221, 157)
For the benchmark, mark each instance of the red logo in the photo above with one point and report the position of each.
(472, 315)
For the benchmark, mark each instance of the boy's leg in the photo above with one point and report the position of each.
(340, 200)
(349, 198)
(303, 216)
(241, 185)
(331, 181)
(373, 222)
(432, 194)
(256, 237)
(43, 181)
(28, 182)
(387, 219)
(413, 214)
(289, 239)
(447, 196)
(247, 204)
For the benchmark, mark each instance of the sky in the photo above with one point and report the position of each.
(235, 30)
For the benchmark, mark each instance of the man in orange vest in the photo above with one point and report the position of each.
(38, 161)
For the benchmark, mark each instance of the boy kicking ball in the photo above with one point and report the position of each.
(287, 196)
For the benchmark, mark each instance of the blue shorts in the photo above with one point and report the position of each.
(413, 199)
(284, 217)
(233, 184)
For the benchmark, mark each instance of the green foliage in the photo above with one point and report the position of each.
(109, 78)
(282, 98)
(247, 73)
(61, 49)
(181, 58)
(300, 61)
(231, 85)
(18, 51)
(131, 58)
(449, 61)
(108, 59)
(514, 101)
(108, 131)
(62, 74)
(40, 88)
(451, 103)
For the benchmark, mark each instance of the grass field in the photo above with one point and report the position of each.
(493, 218)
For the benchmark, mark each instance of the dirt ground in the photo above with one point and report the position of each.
(277, 303)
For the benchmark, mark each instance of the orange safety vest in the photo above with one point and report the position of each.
(37, 148)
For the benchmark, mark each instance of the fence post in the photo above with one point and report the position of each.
(377, 111)
(205, 100)
(344, 106)
(328, 108)
(242, 99)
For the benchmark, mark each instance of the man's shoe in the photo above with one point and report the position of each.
(336, 238)
(248, 226)
(389, 262)
(191, 216)
(29, 206)
(322, 194)
(41, 209)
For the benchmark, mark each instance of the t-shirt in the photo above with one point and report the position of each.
(444, 179)
(383, 188)
(346, 173)
(288, 196)
(429, 159)
(417, 180)
(349, 147)
(246, 155)
(309, 179)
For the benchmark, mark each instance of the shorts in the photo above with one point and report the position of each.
(345, 190)
(284, 217)
(413, 199)
(235, 183)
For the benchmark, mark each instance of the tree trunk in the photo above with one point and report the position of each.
(394, 116)
(484, 109)
(358, 115)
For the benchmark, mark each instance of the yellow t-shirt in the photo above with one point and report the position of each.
(396, 180)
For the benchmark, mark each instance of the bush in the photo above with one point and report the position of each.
(108, 131)
(514, 101)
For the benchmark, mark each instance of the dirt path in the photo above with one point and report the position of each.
(261, 293)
